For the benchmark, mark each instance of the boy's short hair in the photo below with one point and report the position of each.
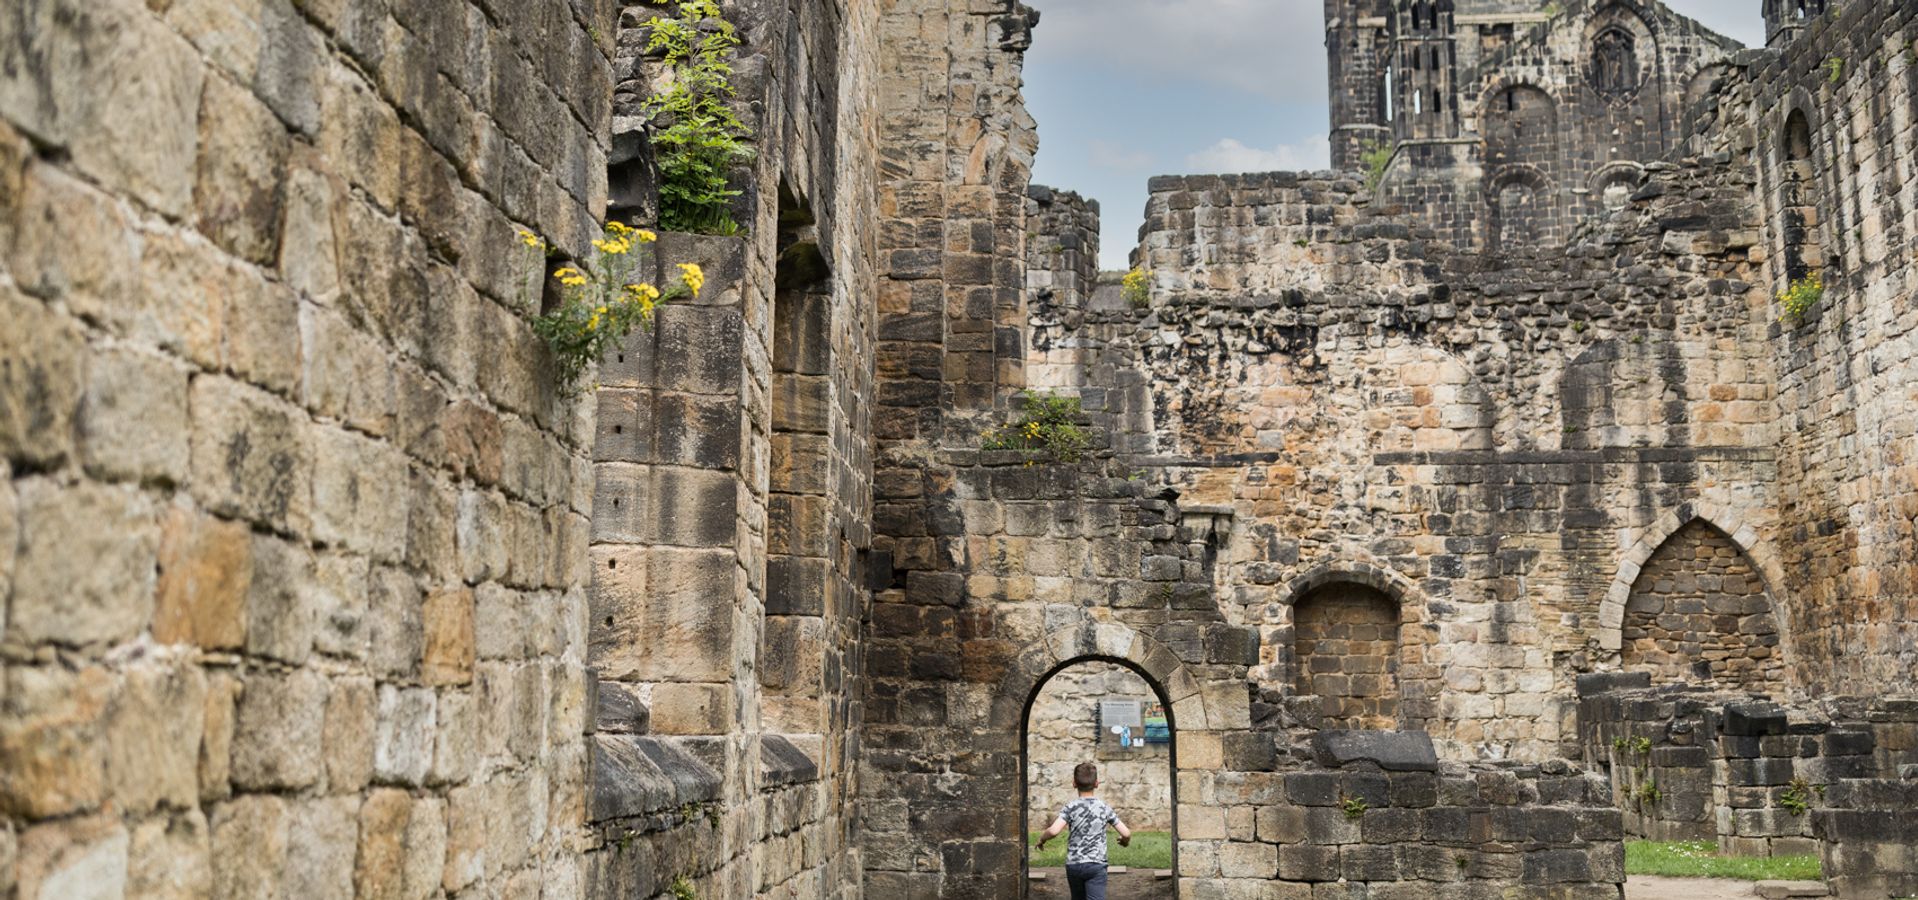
(1085, 777)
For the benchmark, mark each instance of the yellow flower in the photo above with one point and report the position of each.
(615, 247)
(592, 324)
(529, 239)
(694, 277)
(644, 294)
(617, 227)
(570, 277)
(645, 237)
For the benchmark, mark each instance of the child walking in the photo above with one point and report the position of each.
(1088, 817)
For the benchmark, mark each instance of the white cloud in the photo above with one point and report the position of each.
(1232, 155)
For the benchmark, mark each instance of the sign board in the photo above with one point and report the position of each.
(1158, 728)
(1121, 714)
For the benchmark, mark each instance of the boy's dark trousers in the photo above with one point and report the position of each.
(1087, 881)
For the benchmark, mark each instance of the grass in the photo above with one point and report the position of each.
(1149, 850)
(1700, 859)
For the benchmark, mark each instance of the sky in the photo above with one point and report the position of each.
(1127, 89)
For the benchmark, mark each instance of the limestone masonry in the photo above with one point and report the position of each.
(1471, 508)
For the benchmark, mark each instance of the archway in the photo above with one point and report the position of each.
(1110, 714)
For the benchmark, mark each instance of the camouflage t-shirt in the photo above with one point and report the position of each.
(1087, 817)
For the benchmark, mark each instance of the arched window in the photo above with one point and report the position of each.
(1699, 613)
(1518, 215)
(1346, 641)
(1798, 206)
(1614, 62)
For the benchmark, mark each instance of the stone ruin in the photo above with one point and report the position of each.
(1445, 509)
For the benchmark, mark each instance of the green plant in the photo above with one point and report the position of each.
(1700, 859)
(1835, 69)
(1801, 297)
(1301, 242)
(1643, 746)
(1618, 744)
(1354, 807)
(1797, 797)
(1376, 156)
(682, 889)
(1148, 850)
(601, 299)
(1136, 287)
(702, 138)
(1047, 423)
(1648, 793)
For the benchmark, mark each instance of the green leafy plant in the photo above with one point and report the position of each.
(1618, 744)
(1375, 157)
(1835, 69)
(1648, 793)
(1136, 287)
(602, 299)
(1643, 746)
(1796, 798)
(681, 889)
(1048, 423)
(1354, 807)
(702, 138)
(1801, 297)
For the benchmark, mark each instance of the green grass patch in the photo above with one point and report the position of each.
(1149, 850)
(1700, 859)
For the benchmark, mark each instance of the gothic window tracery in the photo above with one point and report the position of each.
(1614, 62)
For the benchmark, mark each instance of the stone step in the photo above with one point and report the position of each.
(1161, 874)
(1780, 890)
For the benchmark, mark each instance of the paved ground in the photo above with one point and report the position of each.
(1136, 884)
(1647, 887)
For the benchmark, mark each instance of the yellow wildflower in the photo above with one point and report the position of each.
(645, 237)
(694, 277)
(592, 324)
(529, 239)
(570, 277)
(646, 294)
(615, 247)
(618, 227)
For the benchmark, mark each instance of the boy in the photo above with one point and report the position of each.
(1088, 817)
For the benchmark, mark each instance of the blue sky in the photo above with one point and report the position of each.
(1127, 89)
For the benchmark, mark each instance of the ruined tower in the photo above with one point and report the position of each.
(1784, 19)
(1425, 57)
(1358, 52)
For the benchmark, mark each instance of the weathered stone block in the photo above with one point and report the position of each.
(277, 737)
(351, 506)
(82, 859)
(133, 423)
(52, 740)
(692, 709)
(322, 836)
(243, 153)
(403, 741)
(250, 837)
(206, 570)
(252, 458)
(152, 749)
(85, 570)
(402, 846)
(447, 628)
(282, 612)
(133, 135)
(684, 597)
(350, 717)
(170, 858)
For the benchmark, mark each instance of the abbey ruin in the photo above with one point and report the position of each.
(1544, 476)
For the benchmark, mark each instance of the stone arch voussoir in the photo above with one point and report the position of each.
(1735, 522)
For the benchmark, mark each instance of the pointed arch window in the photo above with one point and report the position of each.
(1615, 62)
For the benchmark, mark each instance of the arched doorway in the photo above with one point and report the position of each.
(1109, 713)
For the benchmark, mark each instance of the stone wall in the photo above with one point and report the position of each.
(1690, 764)
(1868, 834)
(1699, 614)
(294, 520)
(1063, 730)
(732, 517)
